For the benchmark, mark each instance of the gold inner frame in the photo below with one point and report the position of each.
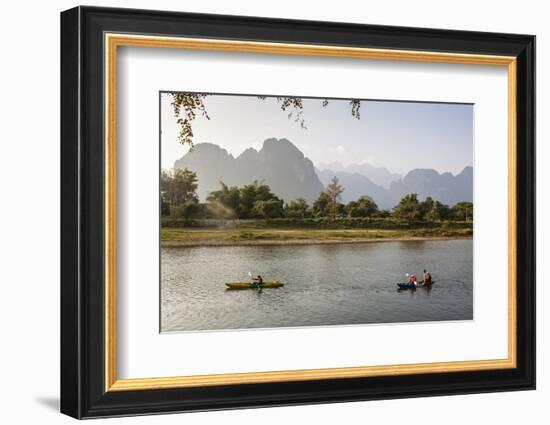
(113, 41)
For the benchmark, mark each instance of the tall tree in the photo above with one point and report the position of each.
(334, 192)
(363, 207)
(434, 210)
(241, 202)
(463, 211)
(426, 207)
(179, 186)
(272, 208)
(297, 209)
(408, 208)
(321, 205)
(225, 202)
(251, 193)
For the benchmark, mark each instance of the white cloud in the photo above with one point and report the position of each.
(369, 159)
(338, 150)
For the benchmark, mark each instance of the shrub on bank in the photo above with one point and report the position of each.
(315, 223)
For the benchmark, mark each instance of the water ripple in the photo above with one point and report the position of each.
(327, 285)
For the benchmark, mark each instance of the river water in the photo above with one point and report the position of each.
(337, 284)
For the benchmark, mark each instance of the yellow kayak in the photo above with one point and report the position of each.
(249, 285)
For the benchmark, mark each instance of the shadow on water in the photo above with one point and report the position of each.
(413, 291)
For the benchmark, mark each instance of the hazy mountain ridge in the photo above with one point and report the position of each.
(380, 176)
(445, 187)
(356, 185)
(278, 163)
(291, 175)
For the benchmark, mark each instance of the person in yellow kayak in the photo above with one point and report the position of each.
(258, 281)
(427, 278)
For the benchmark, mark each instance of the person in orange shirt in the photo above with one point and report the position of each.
(427, 278)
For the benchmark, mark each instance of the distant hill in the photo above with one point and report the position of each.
(278, 163)
(378, 175)
(446, 188)
(291, 175)
(356, 185)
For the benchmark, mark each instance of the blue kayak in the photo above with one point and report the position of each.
(408, 285)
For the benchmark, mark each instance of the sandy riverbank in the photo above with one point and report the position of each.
(268, 242)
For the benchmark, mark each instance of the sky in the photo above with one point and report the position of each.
(400, 136)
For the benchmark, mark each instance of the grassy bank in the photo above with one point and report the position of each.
(321, 223)
(173, 236)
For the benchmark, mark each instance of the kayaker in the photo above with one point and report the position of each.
(412, 279)
(427, 278)
(258, 280)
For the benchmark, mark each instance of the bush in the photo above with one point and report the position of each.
(317, 223)
(188, 210)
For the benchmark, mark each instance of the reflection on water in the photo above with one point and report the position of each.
(327, 285)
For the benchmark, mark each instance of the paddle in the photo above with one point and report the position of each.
(256, 284)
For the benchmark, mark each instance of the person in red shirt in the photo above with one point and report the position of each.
(412, 279)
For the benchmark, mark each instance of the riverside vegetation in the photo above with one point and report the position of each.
(253, 214)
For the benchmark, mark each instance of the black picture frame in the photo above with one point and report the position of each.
(83, 392)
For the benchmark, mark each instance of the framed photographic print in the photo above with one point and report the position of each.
(261, 212)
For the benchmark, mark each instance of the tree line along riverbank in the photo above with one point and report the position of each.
(254, 215)
(180, 204)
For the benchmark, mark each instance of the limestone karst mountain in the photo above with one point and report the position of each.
(278, 163)
(281, 165)
(380, 176)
